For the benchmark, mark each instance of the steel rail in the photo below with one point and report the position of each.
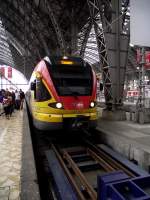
(100, 160)
(108, 159)
(100, 156)
(79, 193)
(92, 193)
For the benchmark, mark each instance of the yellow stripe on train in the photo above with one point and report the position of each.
(59, 117)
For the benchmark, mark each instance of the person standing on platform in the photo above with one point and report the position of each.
(22, 97)
(1, 102)
(17, 99)
(13, 100)
(7, 103)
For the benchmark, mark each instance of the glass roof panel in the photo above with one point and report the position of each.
(91, 50)
(5, 52)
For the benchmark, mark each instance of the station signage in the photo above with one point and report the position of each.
(2, 71)
(9, 72)
(132, 93)
(147, 58)
(6, 71)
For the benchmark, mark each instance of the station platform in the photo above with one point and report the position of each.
(130, 139)
(17, 169)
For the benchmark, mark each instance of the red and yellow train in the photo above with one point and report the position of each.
(62, 94)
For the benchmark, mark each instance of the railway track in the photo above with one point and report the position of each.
(81, 165)
(80, 158)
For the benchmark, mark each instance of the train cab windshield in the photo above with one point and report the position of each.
(71, 80)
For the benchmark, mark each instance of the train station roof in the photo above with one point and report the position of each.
(31, 30)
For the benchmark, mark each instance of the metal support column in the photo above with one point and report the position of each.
(113, 41)
(99, 32)
(117, 42)
(84, 37)
(142, 81)
(142, 112)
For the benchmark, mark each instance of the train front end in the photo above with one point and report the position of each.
(70, 97)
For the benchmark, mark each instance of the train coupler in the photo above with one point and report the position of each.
(76, 123)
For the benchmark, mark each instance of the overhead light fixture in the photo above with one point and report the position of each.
(131, 45)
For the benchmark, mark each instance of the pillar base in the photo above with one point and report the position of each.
(142, 117)
(117, 115)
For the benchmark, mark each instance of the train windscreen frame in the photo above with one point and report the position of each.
(71, 80)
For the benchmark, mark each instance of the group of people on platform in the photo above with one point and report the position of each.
(9, 101)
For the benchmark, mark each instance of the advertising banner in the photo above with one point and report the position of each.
(2, 71)
(147, 58)
(9, 72)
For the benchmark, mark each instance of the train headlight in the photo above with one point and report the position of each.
(56, 105)
(59, 105)
(92, 104)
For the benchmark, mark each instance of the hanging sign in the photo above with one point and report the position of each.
(9, 72)
(2, 71)
(138, 56)
(147, 58)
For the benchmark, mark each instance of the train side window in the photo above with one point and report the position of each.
(42, 93)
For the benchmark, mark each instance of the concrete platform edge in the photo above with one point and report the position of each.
(29, 185)
(127, 147)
